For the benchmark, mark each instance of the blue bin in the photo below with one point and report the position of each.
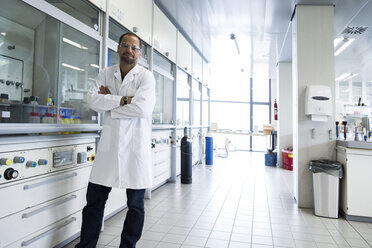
(270, 159)
(209, 150)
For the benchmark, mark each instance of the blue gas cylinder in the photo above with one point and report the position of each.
(209, 149)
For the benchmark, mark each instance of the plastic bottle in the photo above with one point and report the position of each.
(48, 118)
(34, 118)
(77, 120)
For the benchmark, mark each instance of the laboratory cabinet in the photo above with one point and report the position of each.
(46, 70)
(161, 157)
(101, 4)
(165, 35)
(87, 12)
(136, 16)
(51, 235)
(184, 53)
(356, 185)
(47, 177)
(183, 98)
(163, 73)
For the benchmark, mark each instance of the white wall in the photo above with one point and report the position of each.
(313, 64)
(285, 108)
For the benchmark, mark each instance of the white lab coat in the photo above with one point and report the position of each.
(123, 158)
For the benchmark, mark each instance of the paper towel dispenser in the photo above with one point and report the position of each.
(318, 102)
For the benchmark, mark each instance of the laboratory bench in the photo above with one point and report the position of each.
(356, 184)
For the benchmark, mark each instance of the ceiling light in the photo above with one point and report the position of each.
(337, 42)
(342, 45)
(3, 33)
(73, 43)
(72, 67)
(345, 76)
(94, 65)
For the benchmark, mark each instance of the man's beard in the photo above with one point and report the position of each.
(127, 60)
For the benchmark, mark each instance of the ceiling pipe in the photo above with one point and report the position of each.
(232, 37)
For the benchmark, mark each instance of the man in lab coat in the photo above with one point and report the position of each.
(126, 93)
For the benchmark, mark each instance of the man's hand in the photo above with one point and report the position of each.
(104, 90)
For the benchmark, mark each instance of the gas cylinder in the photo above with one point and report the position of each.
(186, 159)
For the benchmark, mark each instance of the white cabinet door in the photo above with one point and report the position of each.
(359, 186)
(197, 64)
(184, 53)
(134, 15)
(165, 35)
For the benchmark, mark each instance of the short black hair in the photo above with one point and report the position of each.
(131, 34)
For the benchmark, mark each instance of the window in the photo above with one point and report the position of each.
(230, 115)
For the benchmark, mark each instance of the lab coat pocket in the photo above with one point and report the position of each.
(104, 143)
(139, 142)
(137, 139)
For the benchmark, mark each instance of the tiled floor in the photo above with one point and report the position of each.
(236, 203)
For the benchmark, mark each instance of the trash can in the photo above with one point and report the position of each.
(326, 178)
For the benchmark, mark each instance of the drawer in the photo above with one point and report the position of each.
(26, 222)
(161, 173)
(160, 167)
(52, 235)
(161, 155)
(37, 191)
(160, 178)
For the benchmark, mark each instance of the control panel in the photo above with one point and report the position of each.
(23, 164)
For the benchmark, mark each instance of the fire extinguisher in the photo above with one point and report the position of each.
(275, 110)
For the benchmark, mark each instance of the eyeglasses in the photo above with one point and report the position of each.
(127, 46)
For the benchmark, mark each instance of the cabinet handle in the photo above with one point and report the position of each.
(52, 180)
(166, 149)
(27, 215)
(161, 162)
(160, 174)
(340, 149)
(53, 229)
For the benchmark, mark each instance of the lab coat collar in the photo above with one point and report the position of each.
(129, 77)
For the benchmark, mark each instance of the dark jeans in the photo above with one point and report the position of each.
(93, 214)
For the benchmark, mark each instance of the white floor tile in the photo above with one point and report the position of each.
(234, 244)
(217, 243)
(236, 203)
(195, 241)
